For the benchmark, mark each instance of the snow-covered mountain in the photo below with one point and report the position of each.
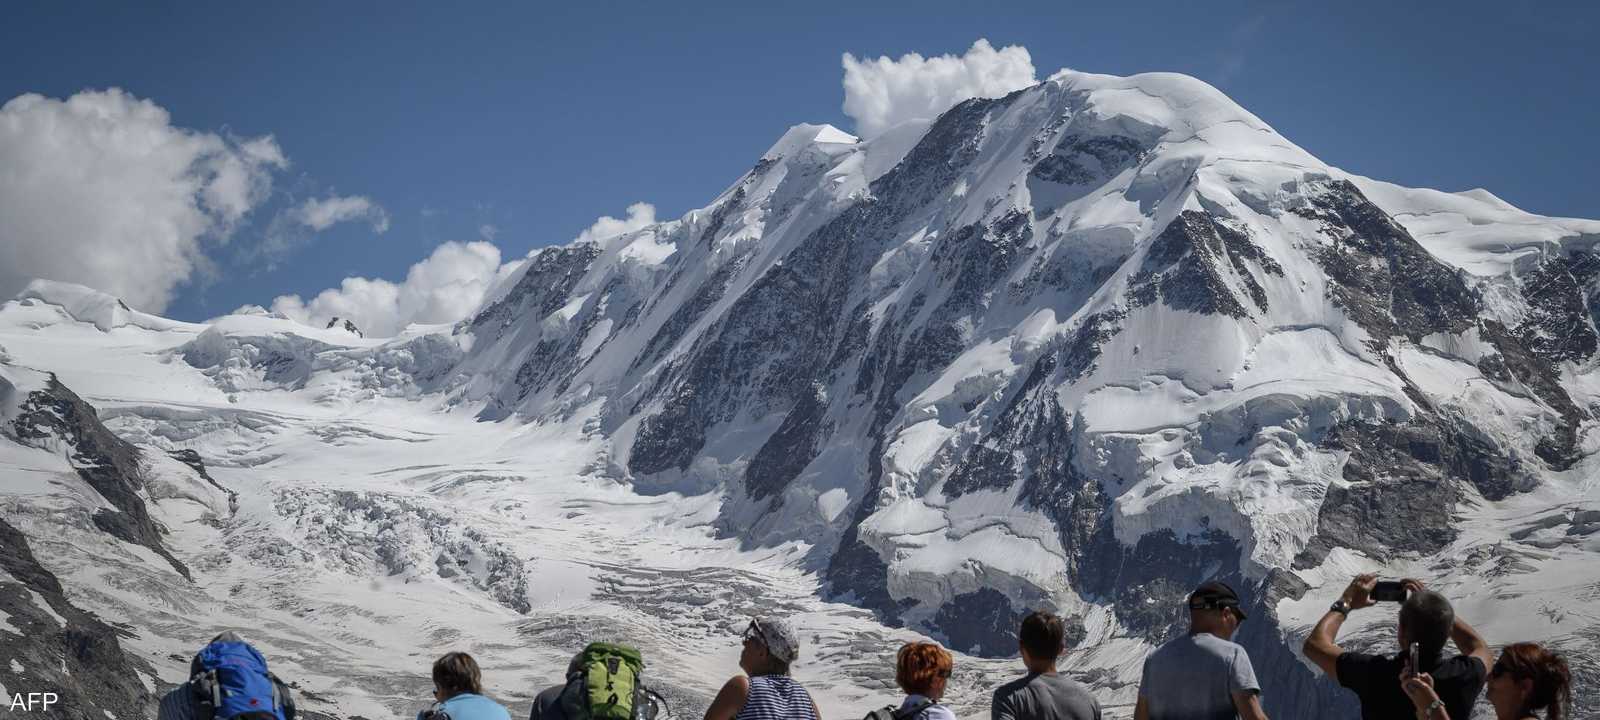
(1079, 347)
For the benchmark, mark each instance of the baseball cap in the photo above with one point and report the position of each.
(778, 636)
(1215, 594)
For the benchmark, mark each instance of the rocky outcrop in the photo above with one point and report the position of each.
(49, 644)
(57, 418)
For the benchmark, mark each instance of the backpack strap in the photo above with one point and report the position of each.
(912, 711)
(282, 698)
(205, 693)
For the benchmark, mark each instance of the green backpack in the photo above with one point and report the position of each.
(608, 685)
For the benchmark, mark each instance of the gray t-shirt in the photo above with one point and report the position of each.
(1044, 697)
(1194, 677)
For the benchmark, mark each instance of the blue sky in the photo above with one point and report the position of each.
(536, 119)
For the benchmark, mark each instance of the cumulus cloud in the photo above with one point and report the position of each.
(882, 93)
(103, 190)
(640, 215)
(443, 288)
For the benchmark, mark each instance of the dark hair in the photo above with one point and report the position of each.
(918, 665)
(457, 673)
(1552, 680)
(1041, 635)
(1427, 618)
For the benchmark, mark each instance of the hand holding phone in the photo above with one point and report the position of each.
(1389, 591)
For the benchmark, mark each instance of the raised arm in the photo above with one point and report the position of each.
(1248, 705)
(1467, 640)
(1320, 646)
(1470, 643)
(730, 699)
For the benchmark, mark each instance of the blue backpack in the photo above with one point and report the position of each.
(231, 681)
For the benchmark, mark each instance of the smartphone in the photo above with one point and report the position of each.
(1389, 591)
(1411, 659)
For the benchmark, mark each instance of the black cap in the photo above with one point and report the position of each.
(1214, 594)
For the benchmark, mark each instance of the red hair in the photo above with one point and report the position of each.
(1552, 680)
(918, 666)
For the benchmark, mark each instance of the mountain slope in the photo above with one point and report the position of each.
(1081, 347)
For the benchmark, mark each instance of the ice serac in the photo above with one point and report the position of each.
(1079, 347)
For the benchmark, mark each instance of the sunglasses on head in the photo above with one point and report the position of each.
(753, 632)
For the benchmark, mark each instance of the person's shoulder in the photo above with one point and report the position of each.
(938, 711)
(472, 706)
(1223, 645)
(1061, 684)
(1462, 668)
(1003, 694)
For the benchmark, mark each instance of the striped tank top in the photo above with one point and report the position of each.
(776, 697)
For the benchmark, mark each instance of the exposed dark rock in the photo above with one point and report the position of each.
(776, 340)
(719, 216)
(545, 287)
(1402, 493)
(193, 460)
(1185, 269)
(971, 260)
(980, 623)
(791, 448)
(346, 325)
(1560, 449)
(1078, 165)
(1147, 585)
(108, 463)
(1382, 277)
(687, 314)
(1030, 433)
(1558, 327)
(1082, 350)
(82, 661)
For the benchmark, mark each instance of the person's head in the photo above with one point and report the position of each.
(923, 668)
(1425, 619)
(1214, 609)
(770, 647)
(455, 674)
(1041, 640)
(1528, 678)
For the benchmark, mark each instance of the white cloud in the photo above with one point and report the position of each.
(443, 288)
(447, 286)
(101, 189)
(881, 93)
(294, 226)
(640, 215)
(322, 214)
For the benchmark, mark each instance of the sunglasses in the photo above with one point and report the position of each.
(753, 632)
